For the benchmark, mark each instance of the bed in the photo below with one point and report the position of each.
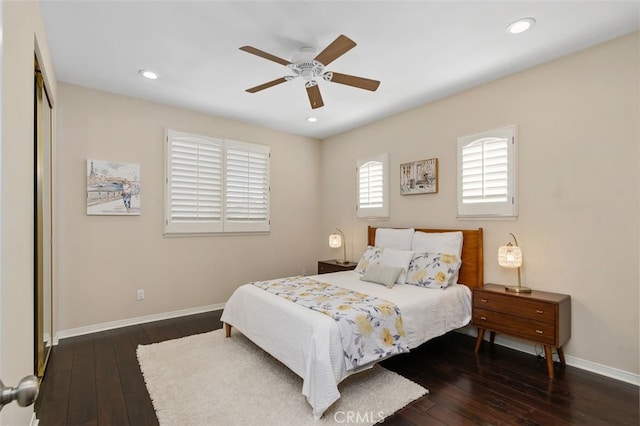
(308, 342)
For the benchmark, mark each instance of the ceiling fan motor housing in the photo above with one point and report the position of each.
(303, 64)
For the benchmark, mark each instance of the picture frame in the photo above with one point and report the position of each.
(113, 188)
(419, 177)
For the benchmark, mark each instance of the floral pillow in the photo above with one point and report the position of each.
(370, 256)
(432, 270)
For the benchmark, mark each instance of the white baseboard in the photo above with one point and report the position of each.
(79, 331)
(527, 347)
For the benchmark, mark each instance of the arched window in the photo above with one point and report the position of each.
(373, 193)
(487, 174)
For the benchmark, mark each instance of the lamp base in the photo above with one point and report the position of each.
(518, 289)
(342, 262)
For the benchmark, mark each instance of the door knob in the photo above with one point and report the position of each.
(25, 393)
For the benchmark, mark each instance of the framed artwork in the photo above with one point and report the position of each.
(113, 188)
(419, 177)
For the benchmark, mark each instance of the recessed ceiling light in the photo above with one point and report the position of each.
(312, 119)
(148, 74)
(521, 25)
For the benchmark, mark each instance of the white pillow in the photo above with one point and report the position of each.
(399, 258)
(437, 242)
(399, 239)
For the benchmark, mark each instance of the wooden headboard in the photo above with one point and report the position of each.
(471, 271)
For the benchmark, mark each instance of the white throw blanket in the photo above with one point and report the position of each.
(370, 328)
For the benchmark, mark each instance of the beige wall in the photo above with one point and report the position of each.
(104, 259)
(23, 33)
(577, 119)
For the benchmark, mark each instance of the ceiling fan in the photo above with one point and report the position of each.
(311, 68)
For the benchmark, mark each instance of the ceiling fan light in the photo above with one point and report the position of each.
(307, 74)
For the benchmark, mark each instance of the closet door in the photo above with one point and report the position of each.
(42, 223)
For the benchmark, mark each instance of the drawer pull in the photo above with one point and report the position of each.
(539, 331)
(483, 300)
(539, 311)
(483, 318)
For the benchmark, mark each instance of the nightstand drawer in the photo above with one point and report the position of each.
(540, 331)
(533, 309)
(324, 268)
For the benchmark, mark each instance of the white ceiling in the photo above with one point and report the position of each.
(419, 50)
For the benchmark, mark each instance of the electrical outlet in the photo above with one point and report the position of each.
(140, 294)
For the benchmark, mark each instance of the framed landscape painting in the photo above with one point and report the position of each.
(419, 177)
(113, 188)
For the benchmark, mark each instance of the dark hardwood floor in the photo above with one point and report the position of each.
(95, 380)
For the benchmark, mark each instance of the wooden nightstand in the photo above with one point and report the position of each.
(538, 316)
(326, 266)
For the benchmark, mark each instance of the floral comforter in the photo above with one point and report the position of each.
(370, 328)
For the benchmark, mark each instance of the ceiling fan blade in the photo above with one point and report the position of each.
(337, 48)
(267, 85)
(315, 98)
(352, 80)
(264, 55)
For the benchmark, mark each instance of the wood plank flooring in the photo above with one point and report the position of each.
(95, 380)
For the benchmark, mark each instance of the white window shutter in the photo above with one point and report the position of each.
(247, 187)
(370, 184)
(194, 183)
(372, 181)
(485, 171)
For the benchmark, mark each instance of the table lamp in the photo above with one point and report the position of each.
(510, 256)
(336, 240)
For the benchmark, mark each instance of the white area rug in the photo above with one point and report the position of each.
(207, 379)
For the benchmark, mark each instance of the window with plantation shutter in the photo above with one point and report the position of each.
(372, 184)
(487, 174)
(215, 185)
(247, 187)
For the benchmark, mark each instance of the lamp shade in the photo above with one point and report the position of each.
(510, 256)
(335, 241)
